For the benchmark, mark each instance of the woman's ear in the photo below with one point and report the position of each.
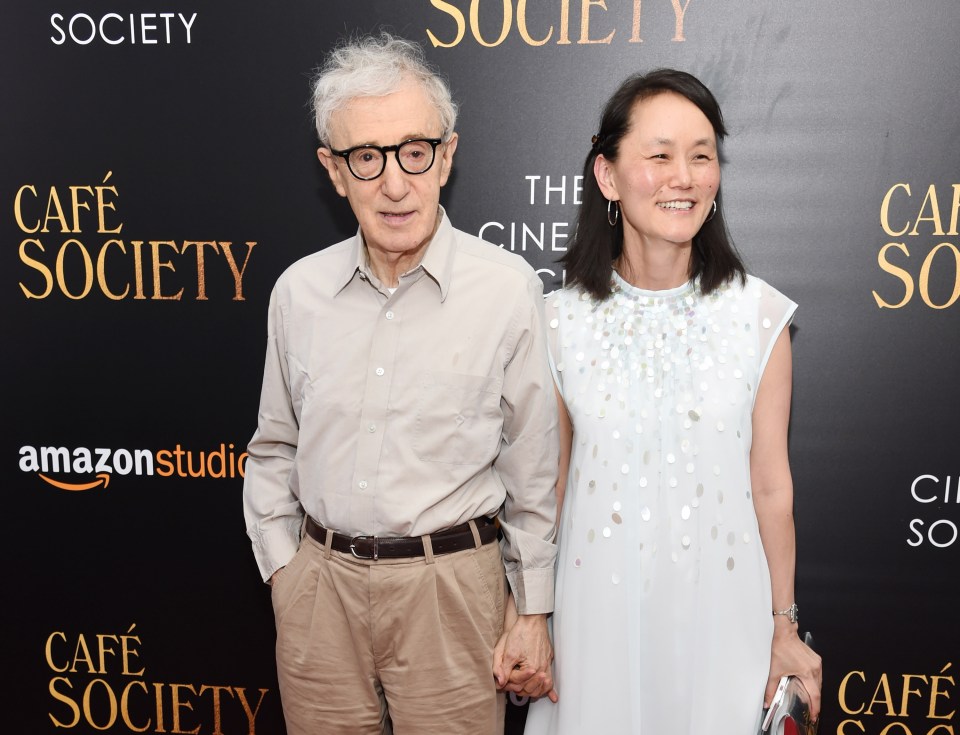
(603, 173)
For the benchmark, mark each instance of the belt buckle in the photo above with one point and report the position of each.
(376, 545)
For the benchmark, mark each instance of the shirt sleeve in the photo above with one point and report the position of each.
(552, 318)
(271, 509)
(528, 460)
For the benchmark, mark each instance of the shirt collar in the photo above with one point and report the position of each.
(437, 261)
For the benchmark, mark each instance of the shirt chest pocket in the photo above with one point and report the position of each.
(459, 420)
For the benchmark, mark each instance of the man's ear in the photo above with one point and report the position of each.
(329, 162)
(446, 160)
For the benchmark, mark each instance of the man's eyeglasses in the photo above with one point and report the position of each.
(367, 162)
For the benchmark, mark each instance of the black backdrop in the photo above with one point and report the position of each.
(134, 131)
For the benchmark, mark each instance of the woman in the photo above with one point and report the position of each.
(676, 530)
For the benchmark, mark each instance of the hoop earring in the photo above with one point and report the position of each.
(613, 217)
(713, 213)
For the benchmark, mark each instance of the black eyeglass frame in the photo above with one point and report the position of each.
(384, 150)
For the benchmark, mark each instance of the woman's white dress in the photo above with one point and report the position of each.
(663, 611)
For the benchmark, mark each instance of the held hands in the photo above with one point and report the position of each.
(522, 656)
(791, 656)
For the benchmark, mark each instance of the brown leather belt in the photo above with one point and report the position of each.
(447, 541)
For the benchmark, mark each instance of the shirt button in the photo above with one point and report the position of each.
(389, 315)
(380, 371)
(372, 428)
(362, 484)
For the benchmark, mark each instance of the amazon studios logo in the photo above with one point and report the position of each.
(61, 467)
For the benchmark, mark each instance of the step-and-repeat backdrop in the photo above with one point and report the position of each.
(159, 173)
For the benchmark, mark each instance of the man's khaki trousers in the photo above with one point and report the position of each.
(393, 645)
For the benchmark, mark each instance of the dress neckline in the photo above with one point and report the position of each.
(629, 289)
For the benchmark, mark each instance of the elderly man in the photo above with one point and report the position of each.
(407, 422)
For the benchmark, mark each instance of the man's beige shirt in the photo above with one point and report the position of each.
(403, 414)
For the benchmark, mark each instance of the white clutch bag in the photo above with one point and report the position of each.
(789, 712)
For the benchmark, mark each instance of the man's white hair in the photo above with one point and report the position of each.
(374, 66)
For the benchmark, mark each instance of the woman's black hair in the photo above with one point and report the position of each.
(595, 244)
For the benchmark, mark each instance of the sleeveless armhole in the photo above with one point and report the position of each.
(775, 313)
